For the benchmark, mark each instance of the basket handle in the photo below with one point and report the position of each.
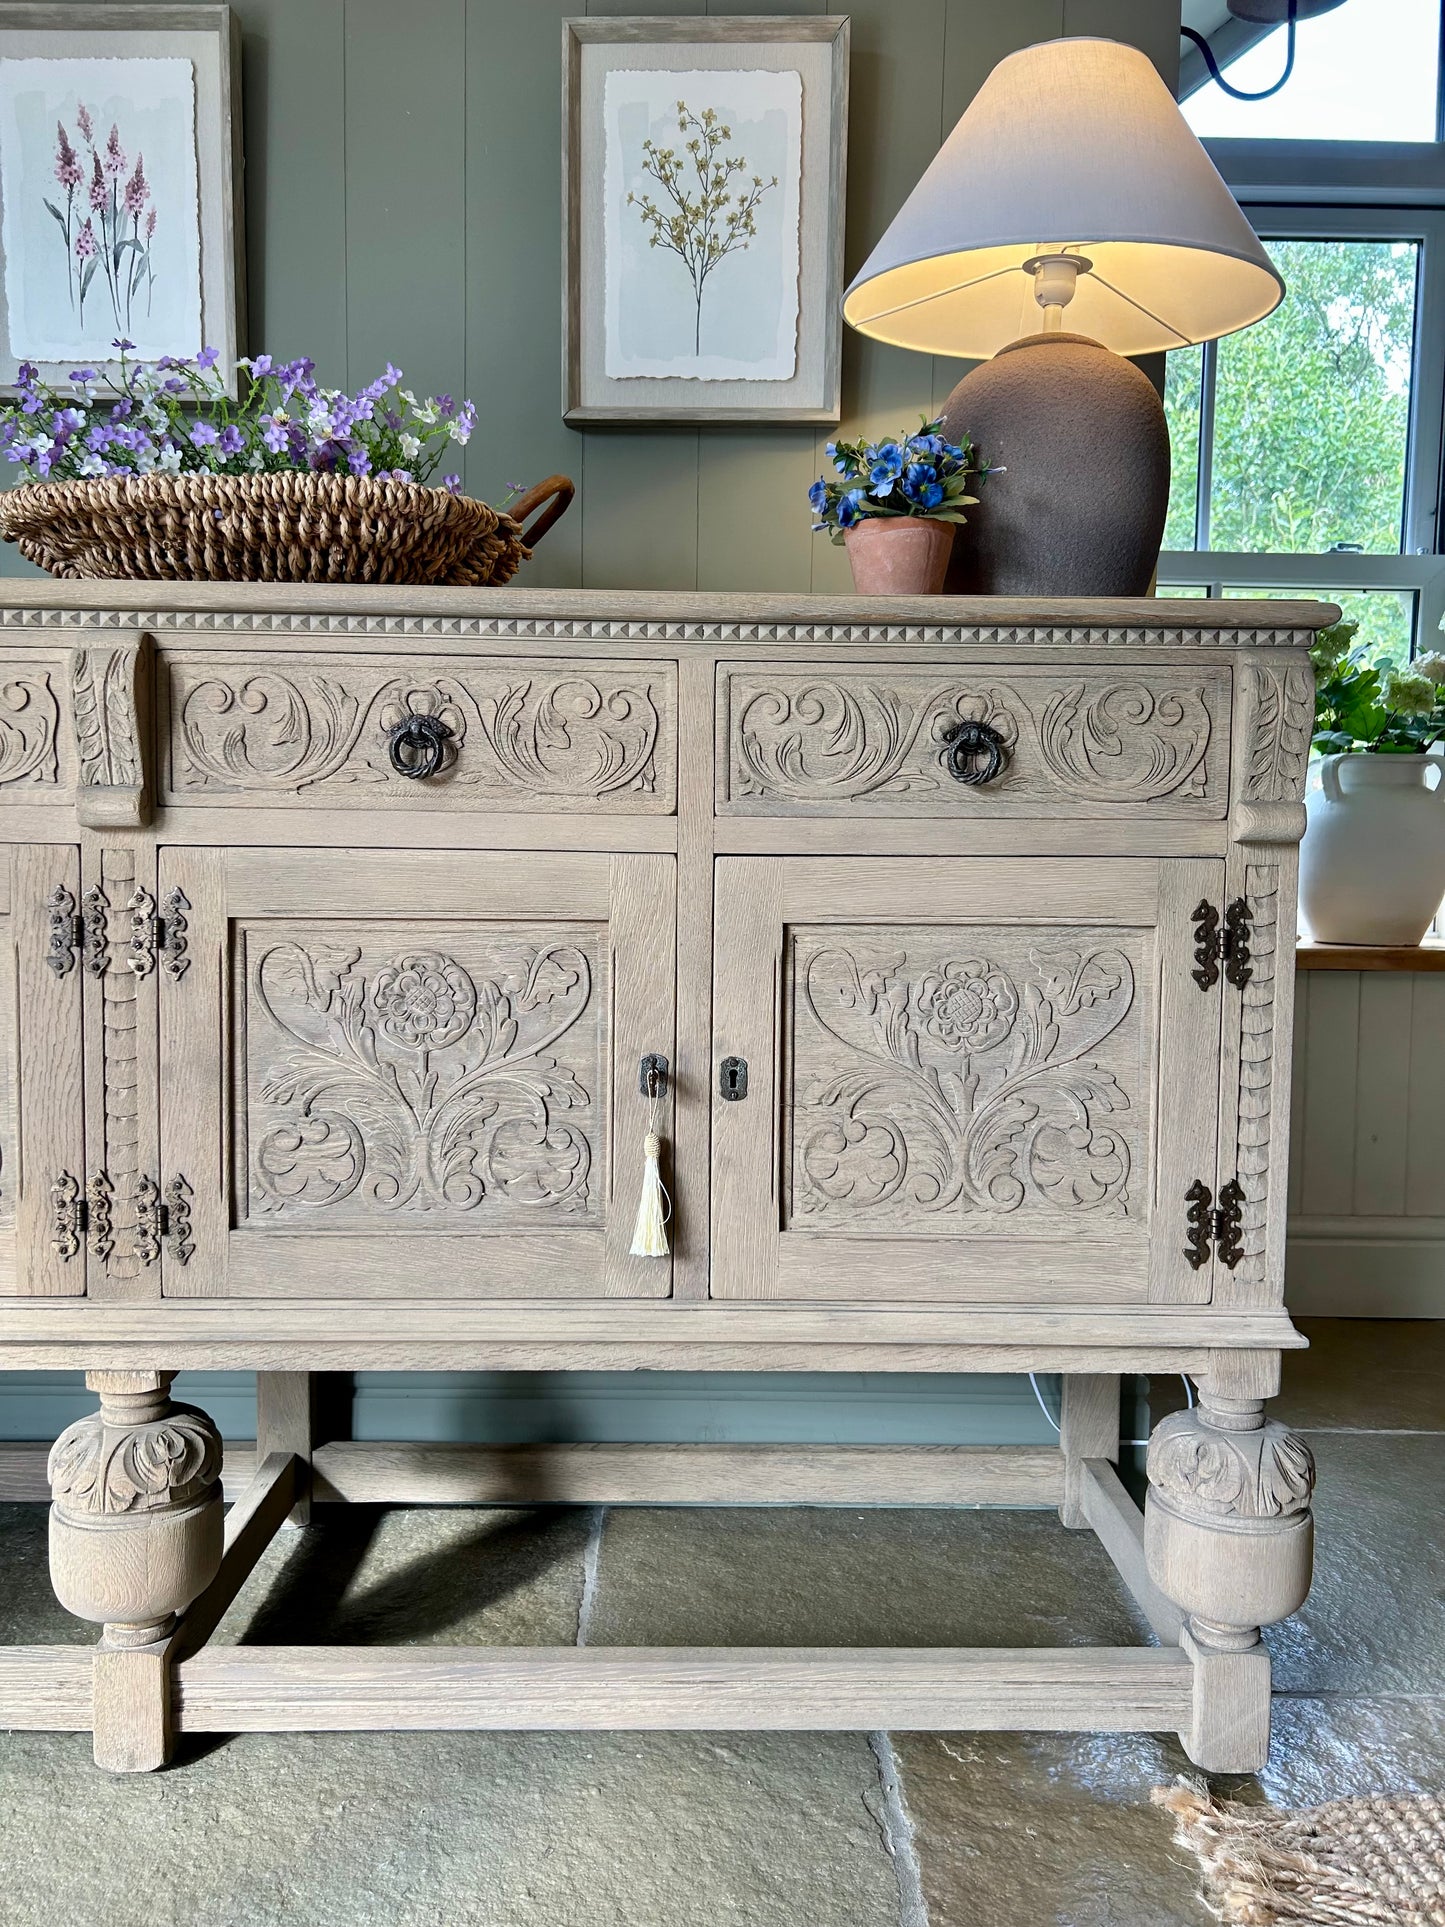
(560, 489)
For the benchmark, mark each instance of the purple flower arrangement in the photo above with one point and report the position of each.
(174, 417)
(921, 474)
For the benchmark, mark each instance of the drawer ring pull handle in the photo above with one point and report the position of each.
(417, 744)
(975, 753)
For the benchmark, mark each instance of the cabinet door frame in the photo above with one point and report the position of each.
(759, 898)
(44, 1059)
(633, 896)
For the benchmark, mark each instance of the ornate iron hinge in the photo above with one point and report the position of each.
(63, 940)
(100, 1216)
(1217, 1225)
(68, 1217)
(1227, 943)
(72, 932)
(1234, 943)
(171, 939)
(158, 934)
(162, 1220)
(1229, 1224)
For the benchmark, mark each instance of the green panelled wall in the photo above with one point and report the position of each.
(403, 196)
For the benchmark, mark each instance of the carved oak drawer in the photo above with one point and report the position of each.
(1100, 740)
(515, 734)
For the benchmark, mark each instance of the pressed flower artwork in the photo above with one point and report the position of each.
(702, 197)
(99, 198)
(703, 162)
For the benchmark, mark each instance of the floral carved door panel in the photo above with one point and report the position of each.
(448, 1073)
(985, 1080)
(428, 1069)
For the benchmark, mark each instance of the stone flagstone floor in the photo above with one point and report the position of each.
(745, 1830)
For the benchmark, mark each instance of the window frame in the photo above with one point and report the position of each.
(1307, 211)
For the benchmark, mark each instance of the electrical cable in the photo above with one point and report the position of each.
(1034, 1381)
(1238, 93)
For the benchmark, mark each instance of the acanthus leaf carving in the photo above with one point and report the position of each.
(402, 1081)
(99, 1467)
(835, 739)
(1267, 1473)
(1281, 722)
(551, 734)
(265, 732)
(1126, 742)
(104, 710)
(29, 726)
(964, 1084)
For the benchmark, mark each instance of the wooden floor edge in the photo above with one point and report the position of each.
(621, 1689)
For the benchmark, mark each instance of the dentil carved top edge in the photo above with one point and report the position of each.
(644, 629)
(1265, 1474)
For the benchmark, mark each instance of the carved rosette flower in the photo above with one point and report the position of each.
(1264, 1474)
(424, 1001)
(438, 700)
(966, 1006)
(100, 1468)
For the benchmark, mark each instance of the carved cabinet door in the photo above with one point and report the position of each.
(981, 1080)
(409, 1074)
(43, 1247)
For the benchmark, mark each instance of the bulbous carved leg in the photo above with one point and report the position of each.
(1229, 1537)
(135, 1536)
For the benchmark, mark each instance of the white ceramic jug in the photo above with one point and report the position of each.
(1372, 866)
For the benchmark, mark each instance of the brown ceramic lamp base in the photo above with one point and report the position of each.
(1079, 507)
(899, 554)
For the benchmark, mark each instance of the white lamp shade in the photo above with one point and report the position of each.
(1078, 146)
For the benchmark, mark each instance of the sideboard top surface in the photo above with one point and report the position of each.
(688, 617)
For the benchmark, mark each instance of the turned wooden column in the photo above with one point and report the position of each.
(1229, 1537)
(135, 1536)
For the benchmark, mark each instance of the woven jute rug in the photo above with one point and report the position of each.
(1353, 1863)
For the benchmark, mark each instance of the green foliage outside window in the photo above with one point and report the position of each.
(1311, 422)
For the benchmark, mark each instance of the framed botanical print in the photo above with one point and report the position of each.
(120, 186)
(703, 179)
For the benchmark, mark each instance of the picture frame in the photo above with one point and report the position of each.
(120, 187)
(703, 175)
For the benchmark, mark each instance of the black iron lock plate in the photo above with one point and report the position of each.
(732, 1079)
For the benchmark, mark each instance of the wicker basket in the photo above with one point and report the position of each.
(288, 527)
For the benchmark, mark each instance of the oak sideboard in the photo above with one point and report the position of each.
(355, 939)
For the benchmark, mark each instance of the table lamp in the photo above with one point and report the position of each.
(1071, 182)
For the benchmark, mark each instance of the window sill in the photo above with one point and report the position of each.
(1429, 955)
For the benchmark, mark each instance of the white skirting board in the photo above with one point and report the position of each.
(1366, 1267)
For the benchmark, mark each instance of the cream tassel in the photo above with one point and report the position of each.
(649, 1239)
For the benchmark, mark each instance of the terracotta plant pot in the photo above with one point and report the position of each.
(1372, 868)
(899, 554)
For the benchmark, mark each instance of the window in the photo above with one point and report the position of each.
(1368, 71)
(1306, 450)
